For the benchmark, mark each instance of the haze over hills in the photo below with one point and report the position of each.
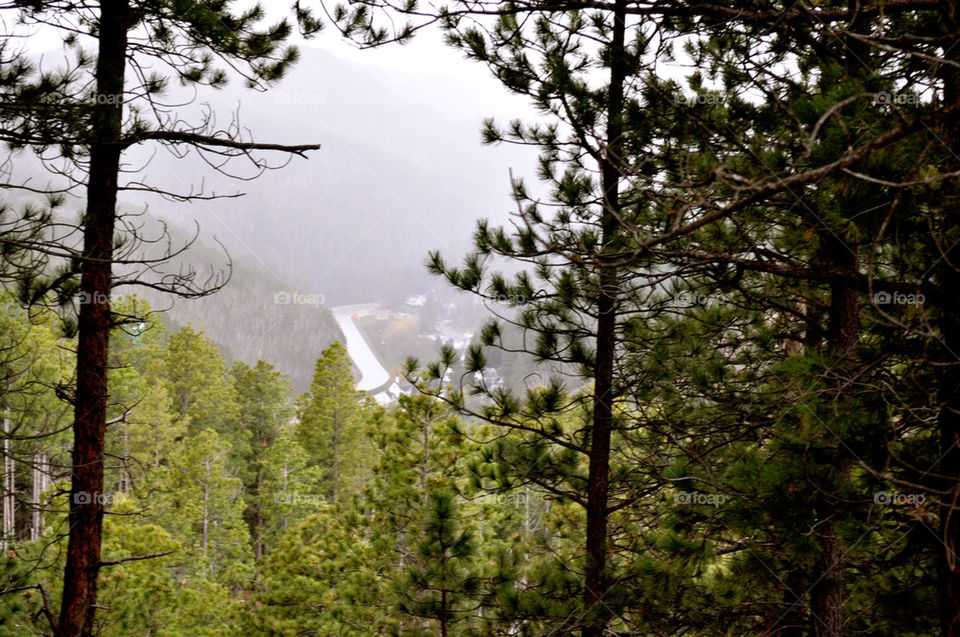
(401, 171)
(352, 223)
(355, 221)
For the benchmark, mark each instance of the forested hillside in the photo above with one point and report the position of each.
(257, 315)
(717, 386)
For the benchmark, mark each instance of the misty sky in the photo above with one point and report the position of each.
(402, 170)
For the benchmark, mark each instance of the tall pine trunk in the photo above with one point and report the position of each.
(595, 577)
(948, 381)
(9, 490)
(948, 564)
(843, 332)
(41, 481)
(90, 404)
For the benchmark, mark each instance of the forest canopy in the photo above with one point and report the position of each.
(734, 269)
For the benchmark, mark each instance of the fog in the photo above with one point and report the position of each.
(401, 171)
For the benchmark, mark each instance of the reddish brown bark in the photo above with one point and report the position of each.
(595, 577)
(948, 422)
(90, 406)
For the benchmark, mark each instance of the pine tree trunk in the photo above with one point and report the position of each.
(826, 598)
(40, 484)
(948, 421)
(335, 469)
(843, 334)
(826, 595)
(596, 614)
(258, 514)
(948, 564)
(283, 489)
(90, 403)
(125, 484)
(9, 490)
(443, 614)
(424, 460)
(205, 537)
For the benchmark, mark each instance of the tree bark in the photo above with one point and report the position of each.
(948, 382)
(826, 595)
(596, 614)
(90, 404)
(40, 484)
(948, 565)
(9, 490)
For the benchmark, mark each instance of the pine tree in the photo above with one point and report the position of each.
(329, 424)
(91, 111)
(263, 397)
(441, 579)
(203, 503)
(201, 387)
(291, 488)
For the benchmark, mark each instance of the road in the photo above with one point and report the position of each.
(372, 373)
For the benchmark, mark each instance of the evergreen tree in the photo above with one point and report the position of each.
(321, 578)
(203, 503)
(329, 424)
(263, 397)
(201, 387)
(442, 576)
(91, 111)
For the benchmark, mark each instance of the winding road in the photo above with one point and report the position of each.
(372, 373)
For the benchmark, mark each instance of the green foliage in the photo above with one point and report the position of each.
(202, 501)
(729, 229)
(201, 387)
(329, 418)
(322, 578)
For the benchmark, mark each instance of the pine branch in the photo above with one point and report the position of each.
(135, 558)
(196, 139)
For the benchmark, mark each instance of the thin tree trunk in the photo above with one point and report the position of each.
(948, 421)
(948, 385)
(335, 443)
(9, 490)
(948, 564)
(205, 537)
(424, 459)
(443, 614)
(40, 484)
(826, 596)
(258, 513)
(596, 614)
(125, 476)
(90, 404)
(283, 489)
(843, 333)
